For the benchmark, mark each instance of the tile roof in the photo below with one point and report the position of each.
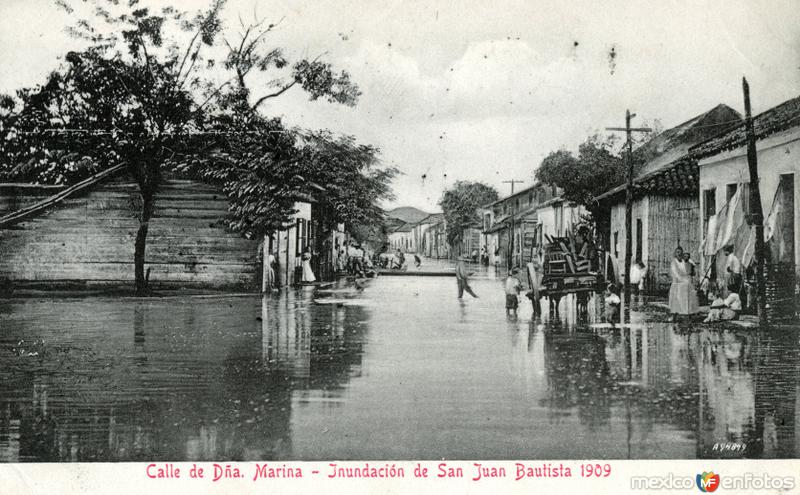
(776, 119)
(680, 177)
(672, 168)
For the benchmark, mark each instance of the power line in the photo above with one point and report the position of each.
(106, 133)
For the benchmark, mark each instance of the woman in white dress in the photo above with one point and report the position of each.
(682, 295)
(308, 273)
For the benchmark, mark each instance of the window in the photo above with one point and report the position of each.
(709, 206)
(301, 235)
(745, 198)
(559, 219)
(638, 239)
(616, 244)
(730, 190)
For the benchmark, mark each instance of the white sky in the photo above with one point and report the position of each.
(484, 90)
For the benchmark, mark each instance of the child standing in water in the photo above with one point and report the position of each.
(612, 304)
(513, 286)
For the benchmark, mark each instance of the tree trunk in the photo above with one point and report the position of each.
(141, 284)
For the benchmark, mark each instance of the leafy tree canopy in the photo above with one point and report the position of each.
(142, 94)
(595, 170)
(460, 205)
(266, 170)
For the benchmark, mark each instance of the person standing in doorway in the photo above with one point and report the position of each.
(733, 270)
(308, 273)
(462, 279)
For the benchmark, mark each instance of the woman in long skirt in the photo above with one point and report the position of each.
(682, 295)
(308, 273)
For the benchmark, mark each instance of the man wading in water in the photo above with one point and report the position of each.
(461, 278)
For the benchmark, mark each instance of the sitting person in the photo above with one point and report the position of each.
(727, 309)
(717, 305)
(733, 306)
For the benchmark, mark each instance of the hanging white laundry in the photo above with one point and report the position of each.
(711, 237)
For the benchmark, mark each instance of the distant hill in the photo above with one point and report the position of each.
(407, 214)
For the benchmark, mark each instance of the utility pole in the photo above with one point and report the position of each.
(757, 216)
(628, 196)
(510, 261)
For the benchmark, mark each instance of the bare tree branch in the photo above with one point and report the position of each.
(273, 95)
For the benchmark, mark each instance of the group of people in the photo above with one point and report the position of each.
(683, 294)
(352, 259)
(730, 306)
(512, 286)
(682, 291)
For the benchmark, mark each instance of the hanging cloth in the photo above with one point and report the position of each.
(711, 236)
(733, 218)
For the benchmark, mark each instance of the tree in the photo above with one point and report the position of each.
(266, 170)
(460, 206)
(125, 99)
(250, 54)
(594, 171)
(138, 96)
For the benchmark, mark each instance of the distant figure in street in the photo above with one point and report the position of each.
(484, 256)
(474, 255)
(417, 261)
(358, 261)
(612, 304)
(462, 279)
(271, 282)
(400, 259)
(682, 295)
(308, 273)
(513, 286)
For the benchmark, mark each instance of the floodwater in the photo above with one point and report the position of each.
(399, 370)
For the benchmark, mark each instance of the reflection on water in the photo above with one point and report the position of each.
(399, 370)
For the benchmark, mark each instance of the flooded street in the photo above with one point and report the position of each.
(399, 370)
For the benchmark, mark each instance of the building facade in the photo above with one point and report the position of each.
(665, 210)
(724, 197)
(510, 225)
(83, 236)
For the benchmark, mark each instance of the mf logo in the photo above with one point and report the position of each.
(707, 482)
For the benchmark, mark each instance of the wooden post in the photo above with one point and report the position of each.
(628, 206)
(628, 197)
(510, 261)
(757, 212)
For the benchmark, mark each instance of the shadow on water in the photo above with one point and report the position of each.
(401, 369)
